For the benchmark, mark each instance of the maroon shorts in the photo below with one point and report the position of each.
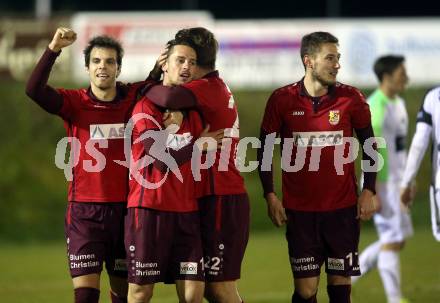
(317, 237)
(95, 234)
(163, 246)
(225, 233)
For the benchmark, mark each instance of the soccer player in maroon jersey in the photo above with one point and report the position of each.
(163, 236)
(223, 201)
(94, 118)
(320, 203)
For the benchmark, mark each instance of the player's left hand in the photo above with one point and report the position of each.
(366, 206)
(407, 194)
(217, 136)
(275, 210)
(172, 117)
(156, 72)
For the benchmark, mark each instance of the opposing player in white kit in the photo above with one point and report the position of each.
(428, 126)
(393, 223)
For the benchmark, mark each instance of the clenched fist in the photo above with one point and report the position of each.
(63, 37)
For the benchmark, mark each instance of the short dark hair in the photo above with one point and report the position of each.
(387, 65)
(104, 42)
(174, 42)
(311, 43)
(205, 45)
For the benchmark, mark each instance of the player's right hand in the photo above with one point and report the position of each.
(217, 135)
(275, 210)
(366, 206)
(407, 194)
(63, 37)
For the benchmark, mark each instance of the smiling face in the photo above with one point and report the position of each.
(103, 68)
(324, 64)
(180, 65)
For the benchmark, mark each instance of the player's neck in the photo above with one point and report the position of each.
(167, 82)
(104, 94)
(314, 88)
(387, 91)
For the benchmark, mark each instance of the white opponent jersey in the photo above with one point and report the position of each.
(428, 127)
(389, 119)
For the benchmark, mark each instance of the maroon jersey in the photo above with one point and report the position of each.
(172, 195)
(91, 121)
(216, 104)
(322, 124)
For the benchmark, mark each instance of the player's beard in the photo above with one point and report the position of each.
(324, 82)
(105, 85)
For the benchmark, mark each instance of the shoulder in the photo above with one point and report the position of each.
(130, 89)
(433, 94)
(198, 84)
(377, 100)
(144, 105)
(73, 93)
(286, 91)
(345, 90)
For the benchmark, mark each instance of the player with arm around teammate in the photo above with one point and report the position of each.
(163, 236)
(223, 201)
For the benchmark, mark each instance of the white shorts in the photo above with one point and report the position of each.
(434, 195)
(393, 222)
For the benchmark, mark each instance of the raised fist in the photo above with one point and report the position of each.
(63, 37)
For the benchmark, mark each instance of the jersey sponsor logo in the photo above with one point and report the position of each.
(107, 131)
(330, 138)
(335, 264)
(188, 268)
(333, 117)
(298, 113)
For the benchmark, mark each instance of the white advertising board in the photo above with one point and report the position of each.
(261, 54)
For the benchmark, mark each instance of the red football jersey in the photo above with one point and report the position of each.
(96, 177)
(172, 194)
(291, 114)
(218, 109)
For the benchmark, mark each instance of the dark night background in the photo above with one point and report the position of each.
(232, 9)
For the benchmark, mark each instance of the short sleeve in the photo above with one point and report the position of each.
(71, 101)
(272, 118)
(146, 117)
(425, 113)
(360, 114)
(378, 112)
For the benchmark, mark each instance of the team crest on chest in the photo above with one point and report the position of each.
(333, 117)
